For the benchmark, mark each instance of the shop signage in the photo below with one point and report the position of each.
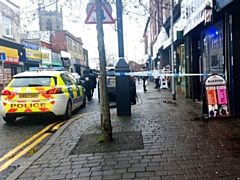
(161, 38)
(194, 21)
(36, 34)
(11, 55)
(217, 96)
(33, 54)
(197, 17)
(29, 45)
(65, 54)
(66, 63)
(56, 57)
(46, 58)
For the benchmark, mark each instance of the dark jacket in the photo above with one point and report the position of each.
(86, 78)
(93, 80)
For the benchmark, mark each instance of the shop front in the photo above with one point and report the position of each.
(9, 61)
(56, 60)
(14, 55)
(195, 25)
(66, 60)
(231, 9)
(30, 60)
(212, 51)
(158, 57)
(33, 59)
(77, 66)
(46, 57)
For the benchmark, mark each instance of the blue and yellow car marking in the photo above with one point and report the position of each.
(70, 91)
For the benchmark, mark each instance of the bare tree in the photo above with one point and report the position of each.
(104, 103)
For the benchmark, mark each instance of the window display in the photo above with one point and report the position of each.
(212, 40)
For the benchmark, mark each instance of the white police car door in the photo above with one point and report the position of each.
(77, 97)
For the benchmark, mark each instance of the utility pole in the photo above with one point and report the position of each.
(57, 27)
(40, 28)
(39, 15)
(172, 52)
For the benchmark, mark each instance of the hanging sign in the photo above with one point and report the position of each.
(217, 96)
(2, 56)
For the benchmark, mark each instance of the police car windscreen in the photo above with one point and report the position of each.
(30, 81)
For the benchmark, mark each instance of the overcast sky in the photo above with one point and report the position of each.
(133, 28)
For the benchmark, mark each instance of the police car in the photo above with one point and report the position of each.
(41, 93)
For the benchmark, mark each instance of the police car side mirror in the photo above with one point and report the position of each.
(81, 82)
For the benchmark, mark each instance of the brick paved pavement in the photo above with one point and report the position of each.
(177, 145)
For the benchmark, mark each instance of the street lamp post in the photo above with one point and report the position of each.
(172, 52)
(126, 43)
(122, 82)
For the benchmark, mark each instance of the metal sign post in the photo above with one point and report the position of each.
(3, 74)
(3, 58)
(172, 53)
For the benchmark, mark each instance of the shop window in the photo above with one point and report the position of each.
(212, 42)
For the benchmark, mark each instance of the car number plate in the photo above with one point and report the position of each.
(28, 95)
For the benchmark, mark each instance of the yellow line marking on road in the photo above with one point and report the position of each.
(5, 165)
(24, 151)
(56, 127)
(10, 153)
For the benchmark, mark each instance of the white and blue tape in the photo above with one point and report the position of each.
(149, 73)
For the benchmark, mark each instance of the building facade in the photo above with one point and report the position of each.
(65, 41)
(206, 42)
(10, 38)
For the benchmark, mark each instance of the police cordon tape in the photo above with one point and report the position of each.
(149, 73)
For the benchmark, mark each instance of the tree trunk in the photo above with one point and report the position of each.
(104, 103)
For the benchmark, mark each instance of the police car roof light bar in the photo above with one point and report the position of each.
(46, 69)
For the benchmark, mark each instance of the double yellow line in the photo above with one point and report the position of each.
(10, 157)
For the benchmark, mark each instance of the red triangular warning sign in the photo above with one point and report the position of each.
(92, 16)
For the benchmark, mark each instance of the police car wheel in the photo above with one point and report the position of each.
(9, 119)
(84, 102)
(68, 112)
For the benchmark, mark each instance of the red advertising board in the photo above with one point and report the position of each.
(217, 96)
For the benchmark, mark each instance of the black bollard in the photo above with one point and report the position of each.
(123, 89)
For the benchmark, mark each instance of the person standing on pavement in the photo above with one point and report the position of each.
(144, 78)
(156, 79)
(93, 81)
(87, 84)
(168, 78)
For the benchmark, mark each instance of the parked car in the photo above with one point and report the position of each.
(111, 86)
(41, 93)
